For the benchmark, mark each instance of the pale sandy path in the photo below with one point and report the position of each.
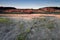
(29, 16)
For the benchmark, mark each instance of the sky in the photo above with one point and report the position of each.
(35, 4)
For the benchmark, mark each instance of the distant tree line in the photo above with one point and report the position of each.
(6, 8)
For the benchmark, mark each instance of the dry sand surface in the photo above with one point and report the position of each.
(29, 16)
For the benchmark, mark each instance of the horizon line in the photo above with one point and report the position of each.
(29, 7)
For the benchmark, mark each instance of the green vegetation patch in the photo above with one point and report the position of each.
(50, 25)
(21, 26)
(44, 22)
(4, 20)
(23, 35)
(37, 22)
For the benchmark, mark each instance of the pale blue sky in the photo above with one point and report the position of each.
(29, 3)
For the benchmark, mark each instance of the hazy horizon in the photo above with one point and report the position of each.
(35, 4)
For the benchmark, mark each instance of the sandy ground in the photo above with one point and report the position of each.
(29, 16)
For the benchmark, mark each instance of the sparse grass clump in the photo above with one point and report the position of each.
(4, 20)
(50, 24)
(23, 32)
(21, 26)
(43, 22)
(38, 23)
(23, 35)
